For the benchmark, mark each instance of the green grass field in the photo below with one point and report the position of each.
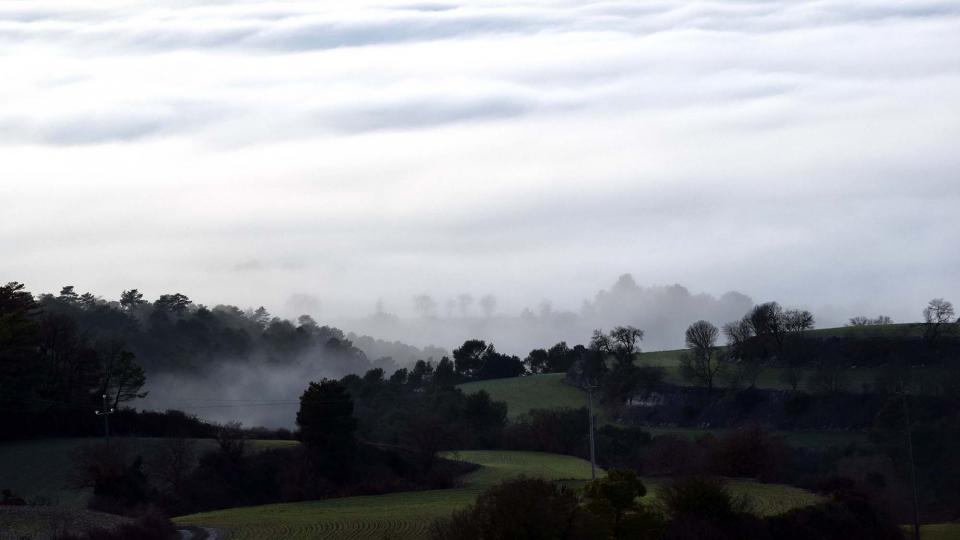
(549, 391)
(802, 439)
(884, 330)
(770, 377)
(42, 468)
(521, 394)
(938, 531)
(406, 516)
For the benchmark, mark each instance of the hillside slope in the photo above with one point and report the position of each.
(406, 516)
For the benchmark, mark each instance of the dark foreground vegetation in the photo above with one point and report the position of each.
(689, 508)
(383, 431)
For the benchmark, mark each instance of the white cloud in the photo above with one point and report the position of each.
(795, 150)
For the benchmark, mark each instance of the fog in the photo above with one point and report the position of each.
(662, 312)
(250, 393)
(319, 157)
(260, 392)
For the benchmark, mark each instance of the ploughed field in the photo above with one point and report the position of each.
(407, 515)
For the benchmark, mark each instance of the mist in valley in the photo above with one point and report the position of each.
(259, 391)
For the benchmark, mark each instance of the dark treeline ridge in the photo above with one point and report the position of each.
(59, 354)
(360, 435)
(173, 334)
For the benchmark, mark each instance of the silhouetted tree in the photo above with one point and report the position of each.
(938, 313)
(797, 320)
(326, 422)
(615, 497)
(260, 317)
(129, 300)
(701, 364)
(767, 322)
(623, 341)
(867, 321)
(175, 304)
(468, 358)
(559, 357)
(421, 374)
(121, 379)
(444, 375)
(537, 361)
(68, 295)
(88, 301)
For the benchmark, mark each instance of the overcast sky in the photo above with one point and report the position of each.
(346, 151)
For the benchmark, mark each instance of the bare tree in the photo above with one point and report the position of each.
(767, 321)
(937, 313)
(867, 321)
(797, 320)
(742, 368)
(231, 441)
(737, 334)
(624, 341)
(702, 363)
(488, 303)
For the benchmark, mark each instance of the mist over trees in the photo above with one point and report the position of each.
(662, 311)
(64, 350)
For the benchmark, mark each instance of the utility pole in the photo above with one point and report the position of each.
(105, 413)
(913, 470)
(593, 451)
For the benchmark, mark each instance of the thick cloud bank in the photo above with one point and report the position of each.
(347, 151)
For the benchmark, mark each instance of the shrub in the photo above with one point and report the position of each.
(700, 496)
(522, 509)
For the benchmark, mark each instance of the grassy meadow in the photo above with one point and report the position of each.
(407, 515)
(547, 391)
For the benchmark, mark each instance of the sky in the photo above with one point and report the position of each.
(319, 156)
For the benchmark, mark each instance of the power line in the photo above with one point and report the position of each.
(913, 469)
(593, 451)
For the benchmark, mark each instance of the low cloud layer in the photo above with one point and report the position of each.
(347, 152)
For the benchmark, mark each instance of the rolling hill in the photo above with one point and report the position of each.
(407, 515)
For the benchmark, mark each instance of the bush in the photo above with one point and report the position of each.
(622, 447)
(615, 499)
(848, 519)
(701, 496)
(521, 509)
(561, 431)
(704, 508)
(752, 452)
